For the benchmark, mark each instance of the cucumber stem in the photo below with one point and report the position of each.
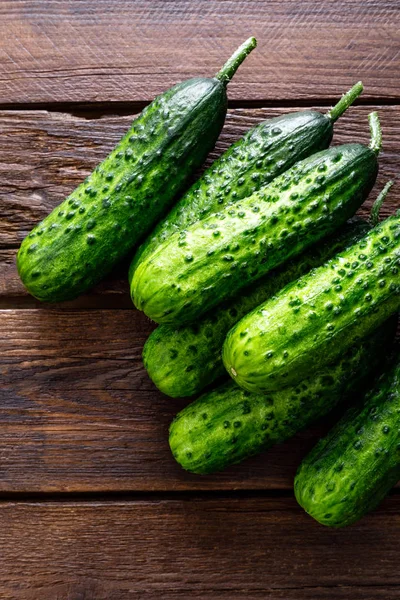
(345, 101)
(376, 132)
(232, 64)
(376, 207)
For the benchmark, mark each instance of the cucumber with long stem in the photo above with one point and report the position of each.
(193, 271)
(263, 153)
(118, 204)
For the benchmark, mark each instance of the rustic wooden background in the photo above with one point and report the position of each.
(92, 506)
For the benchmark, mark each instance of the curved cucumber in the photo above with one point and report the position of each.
(352, 469)
(181, 361)
(229, 424)
(262, 154)
(195, 270)
(313, 320)
(117, 205)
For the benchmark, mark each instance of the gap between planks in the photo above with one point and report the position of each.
(97, 110)
(127, 496)
(124, 496)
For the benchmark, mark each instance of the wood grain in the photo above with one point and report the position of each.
(43, 156)
(79, 413)
(215, 549)
(116, 440)
(100, 51)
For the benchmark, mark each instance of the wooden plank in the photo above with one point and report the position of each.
(202, 548)
(97, 51)
(73, 349)
(79, 413)
(43, 156)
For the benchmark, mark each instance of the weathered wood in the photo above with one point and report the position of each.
(43, 156)
(62, 348)
(79, 413)
(214, 549)
(98, 51)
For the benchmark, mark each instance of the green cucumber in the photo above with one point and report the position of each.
(196, 269)
(265, 151)
(229, 424)
(181, 361)
(351, 470)
(118, 204)
(313, 320)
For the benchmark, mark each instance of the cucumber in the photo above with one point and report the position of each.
(351, 470)
(198, 268)
(313, 320)
(181, 361)
(118, 204)
(252, 162)
(230, 424)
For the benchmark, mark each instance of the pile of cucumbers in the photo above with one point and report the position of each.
(259, 271)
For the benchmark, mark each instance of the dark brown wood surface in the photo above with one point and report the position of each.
(101, 51)
(92, 505)
(194, 547)
(74, 386)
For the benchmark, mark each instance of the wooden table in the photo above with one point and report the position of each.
(92, 504)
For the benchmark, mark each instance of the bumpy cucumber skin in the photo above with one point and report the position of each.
(263, 153)
(351, 470)
(230, 424)
(117, 205)
(181, 361)
(313, 320)
(195, 270)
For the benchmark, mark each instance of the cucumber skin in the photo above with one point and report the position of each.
(117, 205)
(195, 270)
(249, 164)
(182, 361)
(229, 424)
(313, 320)
(351, 470)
